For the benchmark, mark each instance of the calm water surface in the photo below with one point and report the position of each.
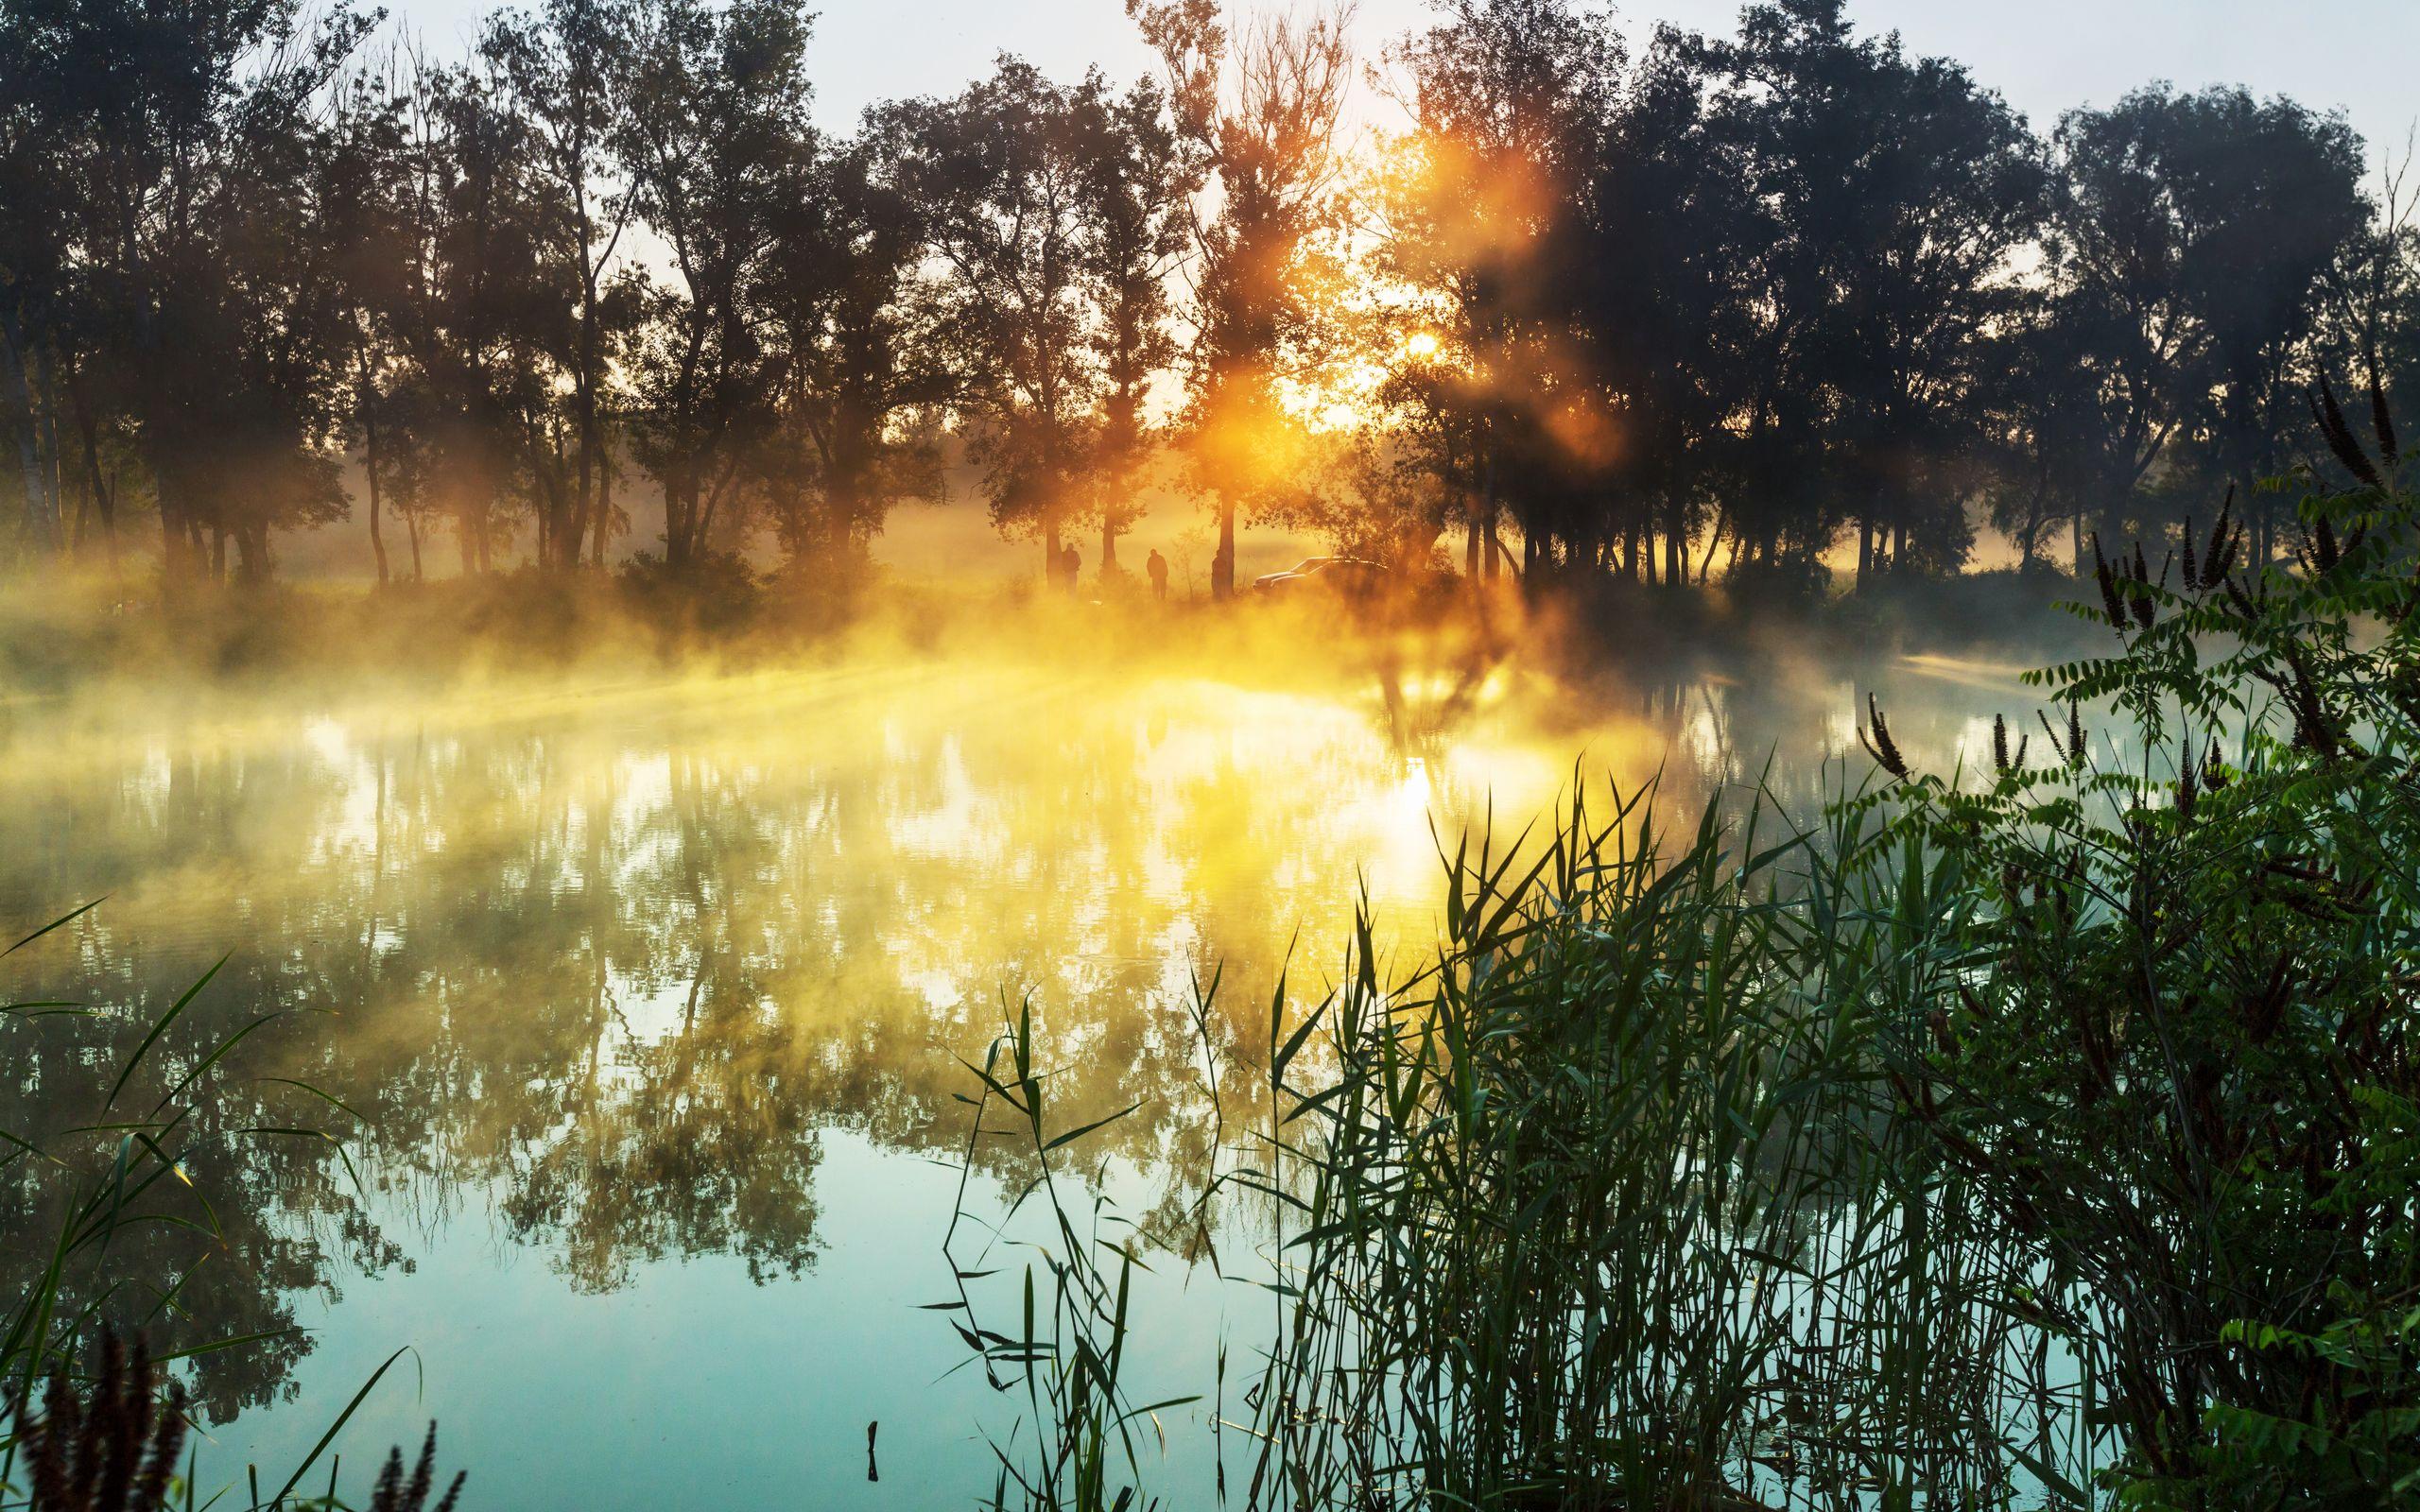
(651, 996)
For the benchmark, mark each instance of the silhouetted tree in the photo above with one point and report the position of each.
(1261, 110)
(865, 376)
(1510, 102)
(717, 144)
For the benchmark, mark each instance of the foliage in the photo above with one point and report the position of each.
(1631, 299)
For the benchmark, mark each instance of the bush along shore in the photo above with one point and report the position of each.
(2043, 1134)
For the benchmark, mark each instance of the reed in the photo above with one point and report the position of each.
(2043, 1135)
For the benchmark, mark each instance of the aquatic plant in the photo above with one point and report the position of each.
(2046, 1135)
(112, 1446)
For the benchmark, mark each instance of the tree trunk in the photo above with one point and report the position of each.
(42, 502)
(1222, 565)
(172, 562)
(370, 470)
(1487, 515)
(104, 492)
(47, 382)
(253, 562)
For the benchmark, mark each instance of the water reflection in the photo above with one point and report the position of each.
(611, 969)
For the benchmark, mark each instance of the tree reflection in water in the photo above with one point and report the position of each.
(614, 967)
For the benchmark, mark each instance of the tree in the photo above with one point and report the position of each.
(1509, 100)
(36, 130)
(864, 372)
(479, 320)
(563, 70)
(1260, 109)
(1901, 194)
(2200, 229)
(1003, 175)
(1666, 299)
(717, 144)
(181, 150)
(1140, 183)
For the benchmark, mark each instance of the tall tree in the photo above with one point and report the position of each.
(1508, 101)
(1005, 176)
(865, 374)
(2205, 226)
(1140, 183)
(716, 143)
(564, 68)
(1901, 195)
(181, 145)
(1261, 108)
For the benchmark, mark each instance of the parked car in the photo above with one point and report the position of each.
(1349, 575)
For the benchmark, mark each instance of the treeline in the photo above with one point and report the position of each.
(1635, 307)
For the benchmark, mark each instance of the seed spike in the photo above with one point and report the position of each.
(2060, 750)
(2339, 437)
(2108, 581)
(2220, 533)
(1879, 745)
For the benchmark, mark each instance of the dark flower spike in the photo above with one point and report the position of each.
(396, 1494)
(2001, 757)
(1878, 745)
(2057, 746)
(2193, 572)
(2075, 736)
(2108, 581)
(112, 1448)
(2339, 437)
(2145, 612)
(2212, 568)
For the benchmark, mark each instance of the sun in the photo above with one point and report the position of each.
(1422, 345)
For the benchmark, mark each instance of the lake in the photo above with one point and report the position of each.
(647, 999)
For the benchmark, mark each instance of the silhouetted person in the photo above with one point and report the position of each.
(1158, 567)
(1072, 563)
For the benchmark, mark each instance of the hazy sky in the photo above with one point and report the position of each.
(2043, 55)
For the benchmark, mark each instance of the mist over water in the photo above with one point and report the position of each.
(652, 990)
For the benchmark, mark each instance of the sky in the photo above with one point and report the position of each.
(2045, 56)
